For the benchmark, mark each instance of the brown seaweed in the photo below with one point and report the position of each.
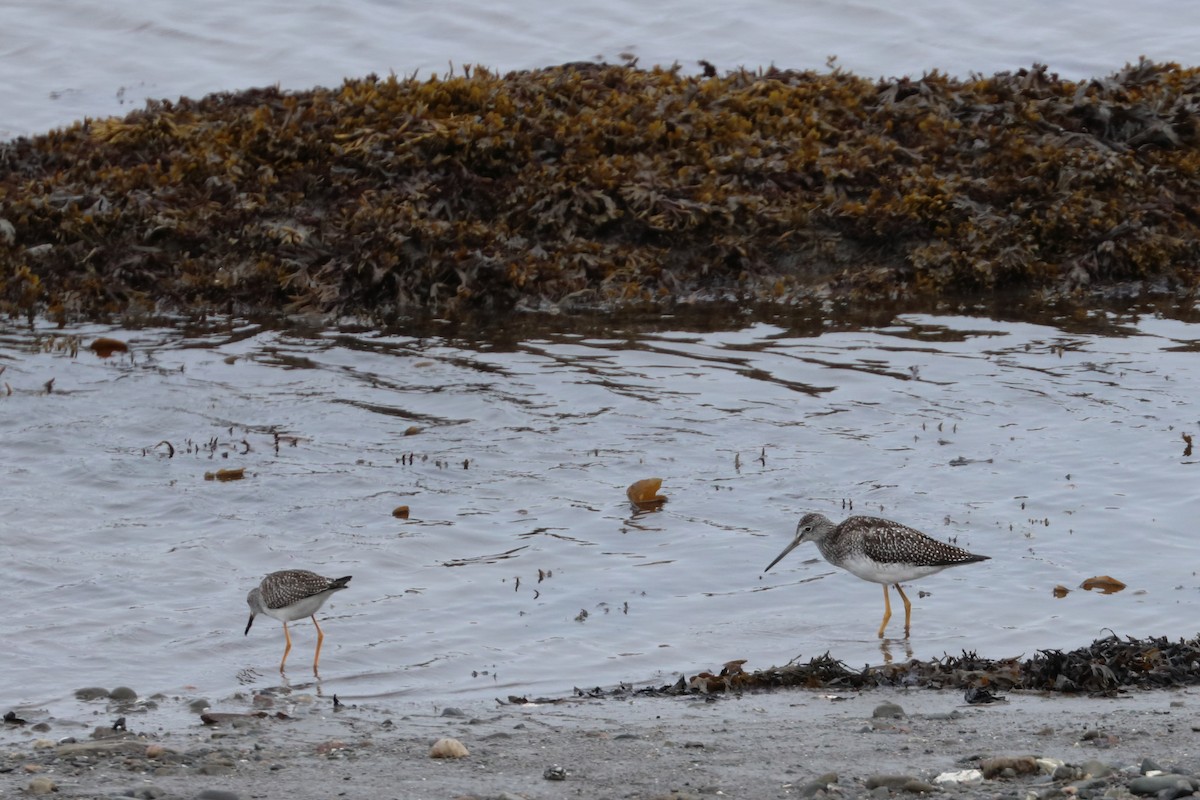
(591, 185)
(1107, 666)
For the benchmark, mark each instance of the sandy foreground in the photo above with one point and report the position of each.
(786, 743)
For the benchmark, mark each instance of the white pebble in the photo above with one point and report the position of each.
(448, 748)
(962, 776)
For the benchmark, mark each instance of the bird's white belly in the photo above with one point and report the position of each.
(873, 571)
(298, 610)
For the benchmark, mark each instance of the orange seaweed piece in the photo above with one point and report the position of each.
(105, 347)
(400, 512)
(644, 493)
(226, 474)
(1103, 584)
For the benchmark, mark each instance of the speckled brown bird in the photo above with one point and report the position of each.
(880, 551)
(293, 594)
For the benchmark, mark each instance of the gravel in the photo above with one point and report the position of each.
(776, 744)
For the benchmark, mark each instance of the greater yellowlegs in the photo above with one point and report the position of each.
(293, 594)
(880, 551)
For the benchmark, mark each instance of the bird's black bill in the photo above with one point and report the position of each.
(248, 624)
(779, 557)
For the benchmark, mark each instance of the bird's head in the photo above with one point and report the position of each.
(812, 527)
(254, 600)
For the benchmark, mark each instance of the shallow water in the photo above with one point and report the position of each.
(69, 59)
(126, 566)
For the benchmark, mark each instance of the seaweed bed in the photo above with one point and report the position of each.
(1105, 667)
(598, 186)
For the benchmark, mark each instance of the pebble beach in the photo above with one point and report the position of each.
(780, 744)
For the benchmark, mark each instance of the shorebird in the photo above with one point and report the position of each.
(880, 551)
(289, 595)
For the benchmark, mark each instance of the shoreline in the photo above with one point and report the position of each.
(781, 743)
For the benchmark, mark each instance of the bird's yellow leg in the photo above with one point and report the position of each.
(907, 610)
(287, 649)
(887, 611)
(320, 638)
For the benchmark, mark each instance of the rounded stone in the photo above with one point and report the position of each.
(1174, 785)
(888, 710)
(216, 794)
(41, 785)
(448, 748)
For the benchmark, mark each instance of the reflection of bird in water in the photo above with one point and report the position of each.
(293, 594)
(880, 551)
(885, 649)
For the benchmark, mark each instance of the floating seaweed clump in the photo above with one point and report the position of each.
(1107, 666)
(589, 184)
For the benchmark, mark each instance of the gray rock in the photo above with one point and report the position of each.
(453, 712)
(100, 748)
(1174, 792)
(819, 784)
(1150, 765)
(1067, 772)
(888, 710)
(1008, 766)
(900, 783)
(214, 770)
(1173, 785)
(146, 793)
(217, 794)
(91, 693)
(1093, 787)
(943, 716)
(123, 694)
(110, 732)
(1096, 769)
(41, 785)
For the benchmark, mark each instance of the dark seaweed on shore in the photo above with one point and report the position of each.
(1107, 666)
(590, 185)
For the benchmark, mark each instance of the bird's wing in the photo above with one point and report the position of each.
(896, 543)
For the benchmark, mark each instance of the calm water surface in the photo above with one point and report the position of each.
(522, 569)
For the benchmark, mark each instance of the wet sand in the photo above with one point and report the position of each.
(791, 743)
